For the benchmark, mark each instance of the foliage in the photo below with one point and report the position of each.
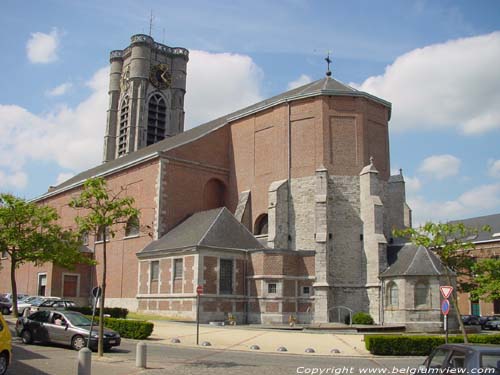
(487, 280)
(114, 312)
(452, 243)
(129, 329)
(418, 345)
(362, 318)
(103, 210)
(29, 233)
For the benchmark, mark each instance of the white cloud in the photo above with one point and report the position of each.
(63, 177)
(475, 202)
(412, 184)
(219, 83)
(494, 168)
(302, 80)
(42, 48)
(17, 180)
(450, 85)
(440, 166)
(59, 90)
(71, 137)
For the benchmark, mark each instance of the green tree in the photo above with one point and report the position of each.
(486, 280)
(104, 209)
(29, 233)
(452, 243)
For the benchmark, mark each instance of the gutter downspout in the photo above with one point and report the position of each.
(289, 171)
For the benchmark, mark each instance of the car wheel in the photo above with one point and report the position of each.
(26, 337)
(4, 363)
(5, 311)
(78, 342)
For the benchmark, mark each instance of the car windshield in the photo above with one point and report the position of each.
(3, 299)
(77, 319)
(37, 302)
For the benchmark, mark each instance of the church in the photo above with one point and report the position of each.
(282, 211)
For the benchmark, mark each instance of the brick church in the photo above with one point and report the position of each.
(280, 210)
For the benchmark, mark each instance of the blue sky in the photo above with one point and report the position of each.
(438, 62)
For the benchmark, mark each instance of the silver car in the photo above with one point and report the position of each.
(63, 327)
(469, 358)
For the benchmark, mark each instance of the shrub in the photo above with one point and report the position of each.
(362, 318)
(421, 345)
(129, 329)
(114, 312)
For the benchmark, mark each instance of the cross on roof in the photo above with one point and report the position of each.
(328, 62)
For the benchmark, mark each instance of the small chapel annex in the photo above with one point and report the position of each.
(281, 209)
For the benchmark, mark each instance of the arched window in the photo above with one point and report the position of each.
(100, 234)
(392, 295)
(261, 225)
(157, 113)
(132, 227)
(123, 127)
(421, 294)
(213, 194)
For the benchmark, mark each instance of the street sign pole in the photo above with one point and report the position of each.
(446, 291)
(199, 291)
(96, 293)
(446, 329)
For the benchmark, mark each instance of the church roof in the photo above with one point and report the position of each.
(412, 260)
(478, 222)
(326, 86)
(216, 228)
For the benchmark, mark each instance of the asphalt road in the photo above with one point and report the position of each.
(169, 359)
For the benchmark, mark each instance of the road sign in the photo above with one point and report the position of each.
(446, 291)
(445, 307)
(199, 289)
(96, 292)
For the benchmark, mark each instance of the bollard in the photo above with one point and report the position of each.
(84, 361)
(140, 355)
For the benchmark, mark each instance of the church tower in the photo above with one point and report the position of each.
(146, 96)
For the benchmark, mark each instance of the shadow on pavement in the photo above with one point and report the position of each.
(21, 354)
(216, 364)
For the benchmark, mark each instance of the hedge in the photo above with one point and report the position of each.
(114, 312)
(129, 329)
(419, 344)
(362, 318)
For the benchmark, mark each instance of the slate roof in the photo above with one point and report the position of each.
(478, 222)
(214, 228)
(325, 86)
(411, 260)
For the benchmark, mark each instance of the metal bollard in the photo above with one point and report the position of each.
(84, 361)
(141, 355)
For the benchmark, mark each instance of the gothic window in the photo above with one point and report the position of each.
(122, 130)
(392, 294)
(157, 114)
(261, 224)
(226, 276)
(132, 227)
(421, 294)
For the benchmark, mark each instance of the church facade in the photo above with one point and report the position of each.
(282, 210)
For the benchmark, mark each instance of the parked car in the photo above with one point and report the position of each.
(63, 327)
(53, 304)
(5, 346)
(492, 324)
(471, 320)
(20, 297)
(35, 303)
(5, 305)
(485, 319)
(463, 356)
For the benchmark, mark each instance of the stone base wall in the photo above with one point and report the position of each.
(355, 298)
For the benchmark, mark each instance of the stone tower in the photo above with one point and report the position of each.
(146, 96)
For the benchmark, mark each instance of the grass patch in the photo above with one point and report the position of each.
(142, 316)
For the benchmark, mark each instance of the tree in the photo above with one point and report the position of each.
(486, 280)
(451, 242)
(104, 209)
(29, 233)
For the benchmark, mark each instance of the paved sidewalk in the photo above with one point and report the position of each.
(242, 338)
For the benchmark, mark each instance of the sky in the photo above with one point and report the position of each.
(437, 62)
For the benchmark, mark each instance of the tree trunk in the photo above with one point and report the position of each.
(454, 303)
(13, 285)
(100, 345)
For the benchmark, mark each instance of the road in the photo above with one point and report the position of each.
(169, 359)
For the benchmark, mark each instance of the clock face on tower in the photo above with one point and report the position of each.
(160, 77)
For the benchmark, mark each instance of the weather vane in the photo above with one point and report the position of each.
(328, 62)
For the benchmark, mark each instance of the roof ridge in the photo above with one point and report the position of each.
(211, 225)
(430, 259)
